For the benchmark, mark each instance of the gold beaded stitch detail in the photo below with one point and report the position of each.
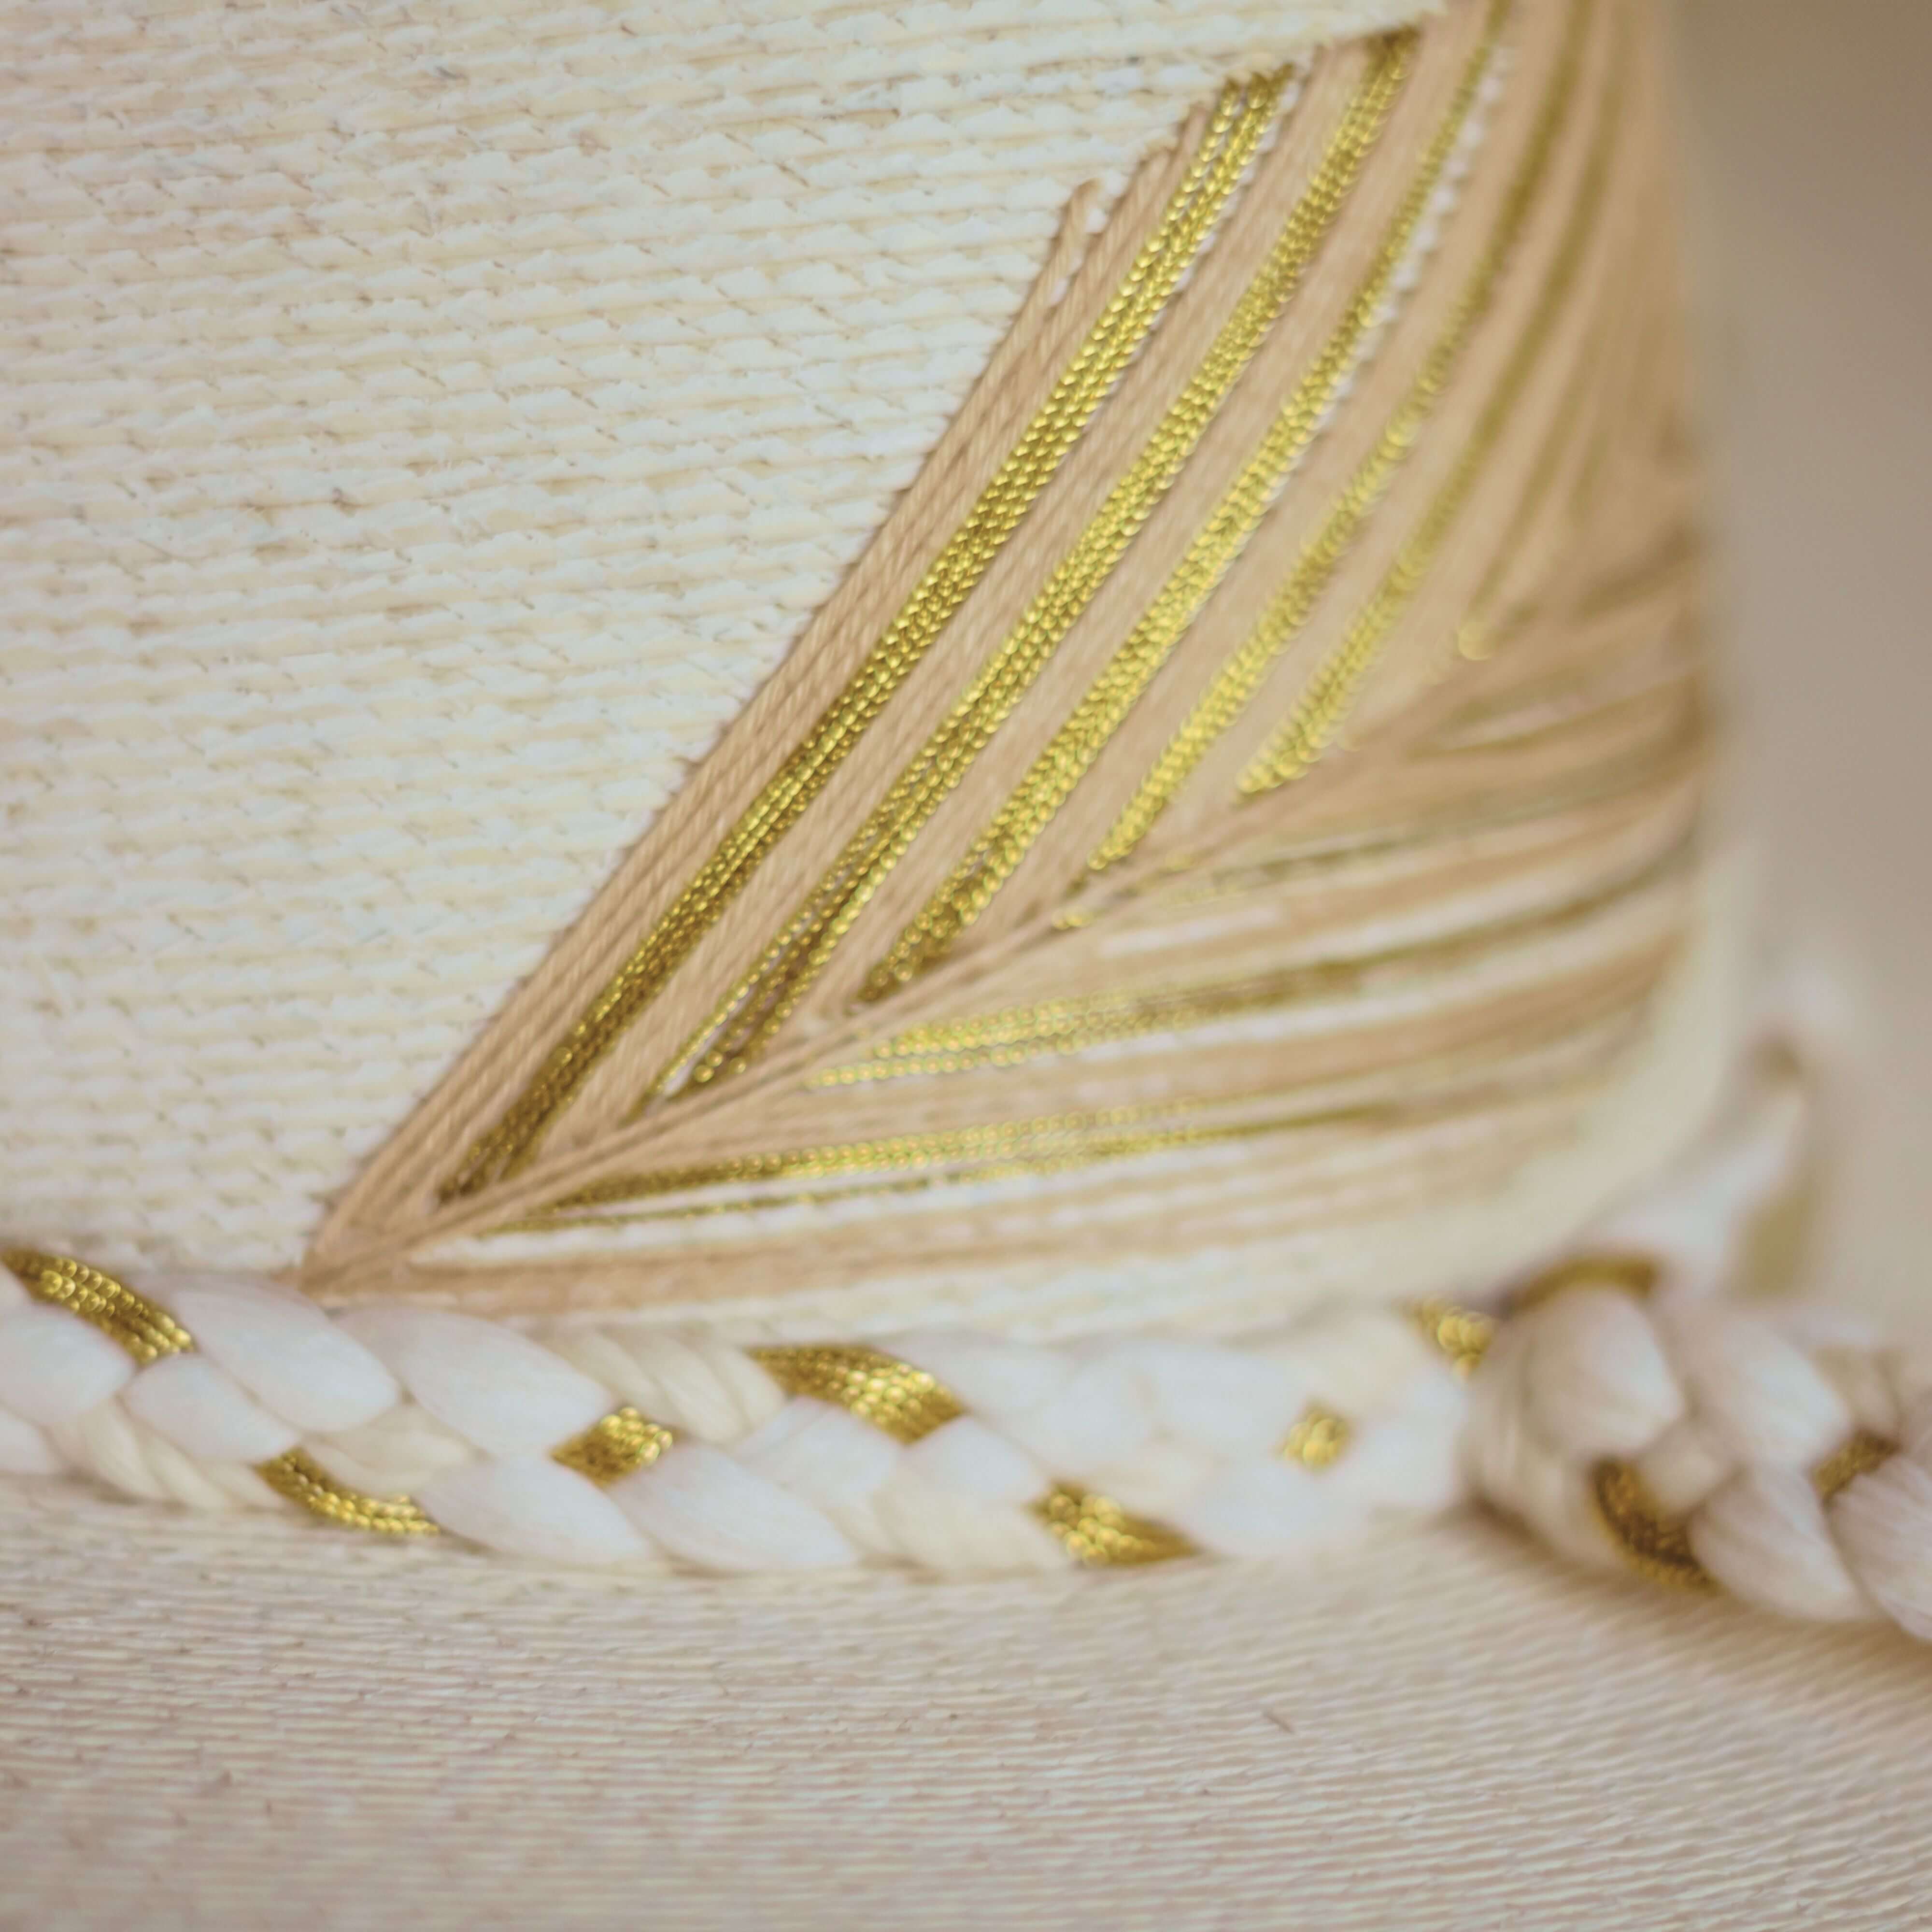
(1624, 1272)
(301, 1479)
(904, 1402)
(613, 1446)
(146, 1332)
(1462, 1334)
(1318, 1438)
(1097, 1531)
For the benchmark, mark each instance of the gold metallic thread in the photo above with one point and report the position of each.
(146, 1332)
(1626, 775)
(1655, 1544)
(904, 1402)
(1861, 1452)
(1016, 1034)
(1623, 1271)
(614, 1445)
(1287, 612)
(1463, 1335)
(754, 1009)
(301, 1479)
(1481, 632)
(994, 1150)
(1097, 1531)
(907, 1404)
(1319, 1438)
(1236, 130)
(1065, 761)
(1312, 726)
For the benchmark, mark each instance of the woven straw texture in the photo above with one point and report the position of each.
(1450, 1732)
(426, 431)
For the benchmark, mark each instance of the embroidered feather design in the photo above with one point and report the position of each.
(1272, 716)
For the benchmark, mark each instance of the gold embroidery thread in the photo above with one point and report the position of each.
(1240, 121)
(752, 1013)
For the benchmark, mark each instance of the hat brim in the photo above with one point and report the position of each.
(1444, 1730)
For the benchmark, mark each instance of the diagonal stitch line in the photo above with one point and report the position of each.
(1072, 1154)
(1240, 678)
(1624, 777)
(907, 1404)
(148, 1332)
(1050, 1143)
(1060, 767)
(755, 1009)
(1481, 632)
(1020, 1033)
(1234, 132)
(299, 1478)
(1331, 694)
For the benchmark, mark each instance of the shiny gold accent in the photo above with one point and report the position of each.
(1481, 633)
(1076, 1154)
(301, 1479)
(1625, 776)
(1331, 693)
(1319, 1437)
(613, 1445)
(994, 1140)
(1096, 1531)
(754, 1009)
(1235, 685)
(893, 1395)
(1241, 119)
(1048, 1143)
(1090, 728)
(146, 1332)
(1015, 1034)
(1462, 1334)
(1860, 1452)
(1655, 1545)
(1623, 1271)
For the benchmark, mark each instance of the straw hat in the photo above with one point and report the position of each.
(894, 792)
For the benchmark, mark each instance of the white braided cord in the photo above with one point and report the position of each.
(467, 1417)
(1634, 1415)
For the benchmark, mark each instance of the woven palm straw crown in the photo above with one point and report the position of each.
(1097, 666)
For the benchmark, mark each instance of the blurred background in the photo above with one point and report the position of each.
(1809, 153)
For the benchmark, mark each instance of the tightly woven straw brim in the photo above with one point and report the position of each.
(1451, 1729)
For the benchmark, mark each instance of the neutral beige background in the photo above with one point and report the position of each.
(1812, 192)
(1449, 1731)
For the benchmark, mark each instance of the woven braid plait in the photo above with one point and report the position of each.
(944, 804)
(1622, 1405)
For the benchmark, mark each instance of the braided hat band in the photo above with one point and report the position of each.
(1211, 905)
(1621, 1404)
